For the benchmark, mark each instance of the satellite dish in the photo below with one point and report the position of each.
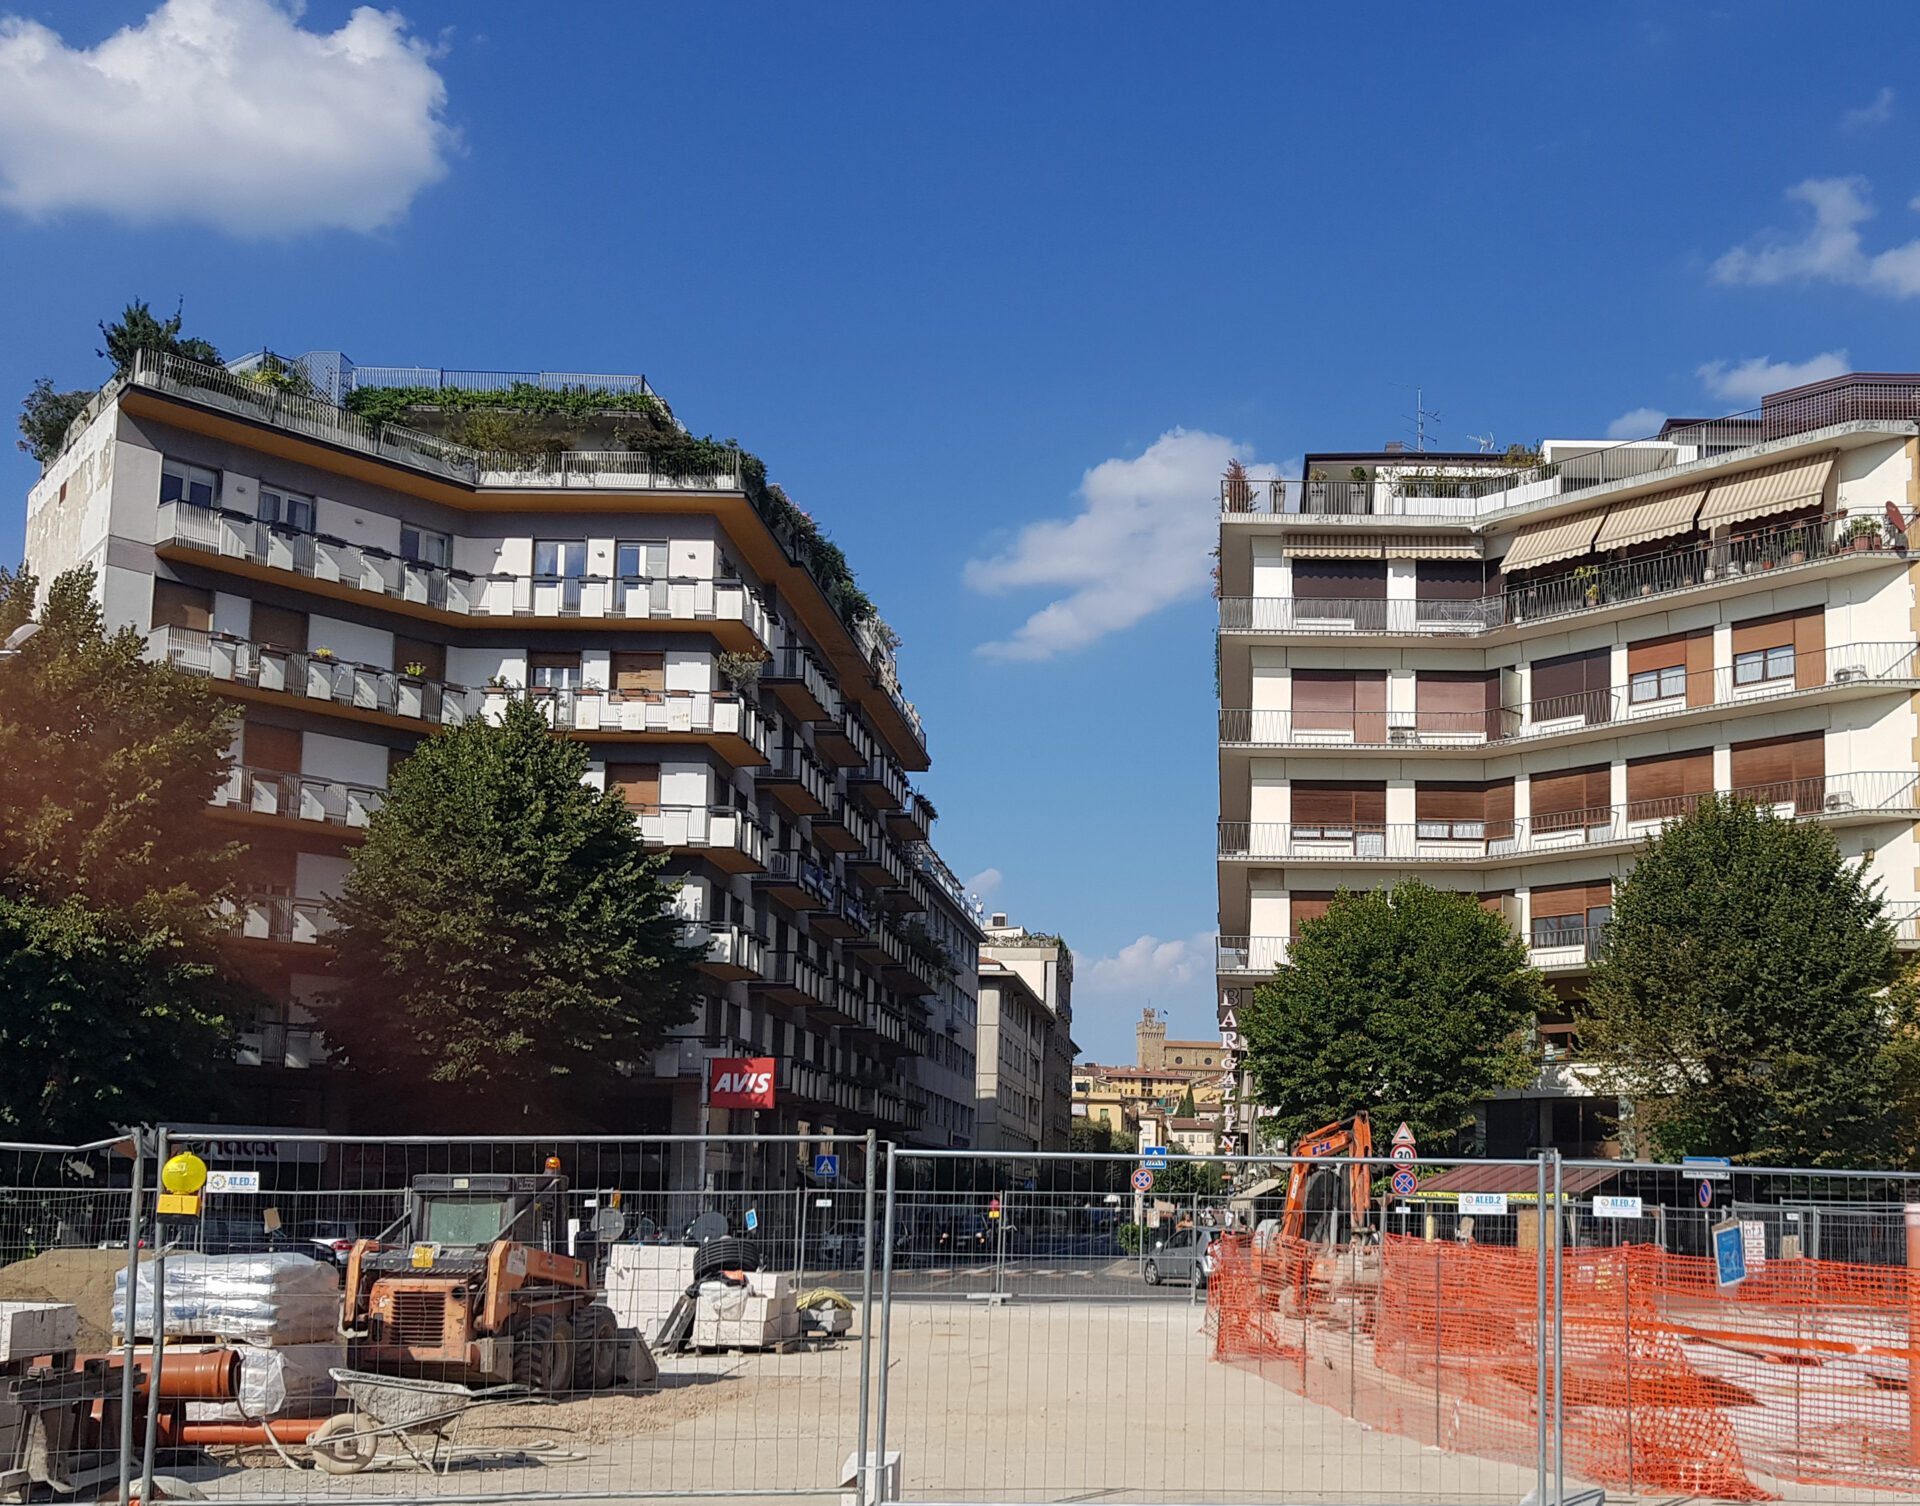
(609, 1224)
(708, 1226)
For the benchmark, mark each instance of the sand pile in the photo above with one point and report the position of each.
(82, 1277)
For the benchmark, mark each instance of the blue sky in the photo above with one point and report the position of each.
(958, 274)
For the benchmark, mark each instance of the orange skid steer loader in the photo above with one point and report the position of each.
(465, 1287)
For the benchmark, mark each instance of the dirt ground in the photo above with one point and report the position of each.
(82, 1277)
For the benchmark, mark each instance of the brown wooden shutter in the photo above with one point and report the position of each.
(1307, 904)
(1566, 799)
(274, 748)
(1322, 802)
(1449, 580)
(639, 782)
(1573, 685)
(276, 627)
(1323, 580)
(1499, 810)
(1810, 649)
(636, 674)
(1692, 652)
(431, 656)
(175, 605)
(1449, 800)
(1570, 899)
(1779, 630)
(1341, 700)
(1455, 700)
(1782, 770)
(1658, 788)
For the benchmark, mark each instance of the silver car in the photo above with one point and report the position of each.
(1185, 1255)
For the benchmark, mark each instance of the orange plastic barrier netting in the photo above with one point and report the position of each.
(1798, 1374)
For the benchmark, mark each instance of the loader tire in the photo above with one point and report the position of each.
(725, 1255)
(542, 1359)
(595, 1348)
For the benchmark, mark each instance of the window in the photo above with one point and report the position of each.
(1567, 915)
(1573, 685)
(431, 657)
(425, 547)
(1658, 684)
(274, 748)
(289, 509)
(276, 627)
(193, 484)
(178, 606)
(638, 782)
(644, 558)
(1341, 700)
(637, 675)
(1762, 664)
(564, 558)
(1325, 810)
(554, 671)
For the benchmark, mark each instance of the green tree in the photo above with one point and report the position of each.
(137, 329)
(1742, 996)
(1410, 1004)
(504, 935)
(113, 1004)
(1188, 1108)
(45, 417)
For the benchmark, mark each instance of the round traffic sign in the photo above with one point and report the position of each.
(1404, 1153)
(1706, 1194)
(1143, 1180)
(1403, 1182)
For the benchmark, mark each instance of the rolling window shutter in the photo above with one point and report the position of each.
(175, 605)
(1306, 904)
(1571, 791)
(1449, 800)
(637, 673)
(1321, 580)
(1666, 786)
(639, 782)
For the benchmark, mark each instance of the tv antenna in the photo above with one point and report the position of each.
(1485, 441)
(1421, 416)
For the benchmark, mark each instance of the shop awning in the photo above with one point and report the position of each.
(1774, 488)
(1543, 543)
(1520, 1181)
(1655, 517)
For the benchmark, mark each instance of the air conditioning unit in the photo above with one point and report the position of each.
(1407, 736)
(1839, 800)
(1849, 672)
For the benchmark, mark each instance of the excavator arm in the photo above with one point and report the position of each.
(1349, 1137)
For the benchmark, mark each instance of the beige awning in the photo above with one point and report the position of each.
(1544, 543)
(1654, 517)
(1773, 488)
(1332, 546)
(1419, 546)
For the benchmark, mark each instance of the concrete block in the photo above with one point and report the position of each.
(29, 1330)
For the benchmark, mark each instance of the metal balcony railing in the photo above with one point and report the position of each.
(314, 675)
(1754, 678)
(796, 666)
(280, 917)
(296, 797)
(728, 945)
(1586, 588)
(278, 1045)
(1894, 793)
(794, 762)
(786, 866)
(697, 826)
(592, 709)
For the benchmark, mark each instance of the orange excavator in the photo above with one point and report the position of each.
(1327, 1205)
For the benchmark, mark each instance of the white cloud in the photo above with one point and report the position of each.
(1638, 424)
(985, 883)
(1175, 976)
(1752, 380)
(1829, 249)
(1138, 544)
(1868, 116)
(223, 111)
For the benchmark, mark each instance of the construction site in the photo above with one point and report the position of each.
(464, 1320)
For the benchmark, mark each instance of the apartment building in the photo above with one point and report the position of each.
(355, 585)
(1046, 964)
(1499, 673)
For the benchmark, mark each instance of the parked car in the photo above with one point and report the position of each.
(332, 1241)
(1186, 1255)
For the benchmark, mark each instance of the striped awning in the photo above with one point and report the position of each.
(1418, 546)
(1544, 543)
(1332, 546)
(1771, 489)
(1655, 517)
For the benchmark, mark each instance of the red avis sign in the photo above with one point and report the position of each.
(741, 1082)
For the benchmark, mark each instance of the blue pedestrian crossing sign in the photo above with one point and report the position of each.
(826, 1167)
(1155, 1156)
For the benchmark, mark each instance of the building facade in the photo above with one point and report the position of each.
(1500, 673)
(1045, 962)
(355, 585)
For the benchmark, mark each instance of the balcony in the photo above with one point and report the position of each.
(733, 726)
(1556, 948)
(732, 951)
(1770, 554)
(729, 839)
(845, 742)
(880, 865)
(794, 778)
(293, 797)
(1249, 956)
(1843, 669)
(802, 686)
(281, 917)
(881, 783)
(789, 978)
(799, 882)
(850, 916)
(844, 826)
(913, 822)
(1840, 798)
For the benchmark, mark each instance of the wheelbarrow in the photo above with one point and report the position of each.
(392, 1406)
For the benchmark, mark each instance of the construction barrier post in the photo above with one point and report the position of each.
(1913, 1331)
(133, 1285)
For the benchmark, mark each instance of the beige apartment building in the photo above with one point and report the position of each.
(355, 585)
(1500, 673)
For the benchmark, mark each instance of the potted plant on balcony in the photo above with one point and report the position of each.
(1587, 581)
(1797, 546)
(1863, 534)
